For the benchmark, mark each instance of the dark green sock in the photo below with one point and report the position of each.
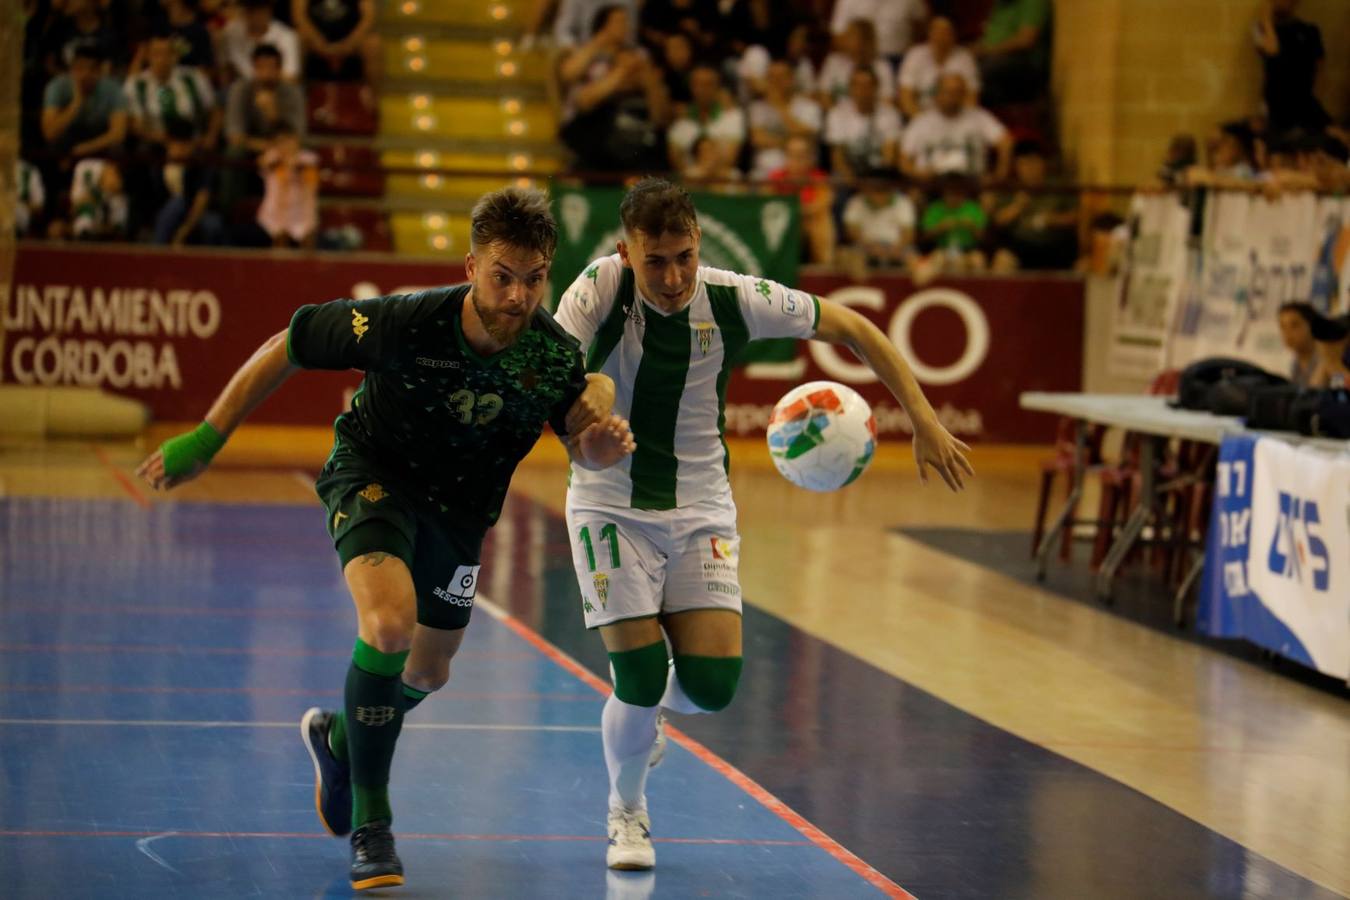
(373, 705)
(411, 697)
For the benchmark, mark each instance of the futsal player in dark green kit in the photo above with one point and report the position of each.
(459, 382)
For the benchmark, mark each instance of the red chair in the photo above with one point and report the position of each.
(349, 170)
(341, 108)
(1180, 495)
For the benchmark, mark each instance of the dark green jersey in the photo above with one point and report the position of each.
(432, 415)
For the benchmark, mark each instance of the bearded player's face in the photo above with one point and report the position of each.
(508, 285)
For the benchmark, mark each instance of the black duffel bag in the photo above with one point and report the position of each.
(1199, 384)
(1272, 408)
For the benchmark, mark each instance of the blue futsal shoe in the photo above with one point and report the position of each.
(332, 776)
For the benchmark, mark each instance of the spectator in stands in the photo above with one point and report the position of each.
(801, 175)
(339, 39)
(166, 92)
(708, 163)
(694, 18)
(955, 137)
(926, 63)
(879, 220)
(253, 27)
(778, 115)
(753, 66)
(1014, 52)
(862, 132)
(1182, 155)
(616, 102)
(747, 23)
(857, 49)
(896, 22)
(191, 38)
(952, 231)
(255, 107)
(575, 21)
(187, 186)
(83, 24)
(711, 112)
(1291, 56)
(1296, 321)
(677, 66)
(98, 202)
(1231, 163)
(84, 113)
(1332, 337)
(1034, 228)
(290, 206)
(30, 198)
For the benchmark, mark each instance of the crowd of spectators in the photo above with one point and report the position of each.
(1290, 144)
(179, 121)
(877, 118)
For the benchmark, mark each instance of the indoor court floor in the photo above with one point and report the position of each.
(911, 722)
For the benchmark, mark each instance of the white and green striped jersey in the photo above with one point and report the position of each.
(186, 95)
(670, 372)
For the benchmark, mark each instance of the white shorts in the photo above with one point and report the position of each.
(637, 563)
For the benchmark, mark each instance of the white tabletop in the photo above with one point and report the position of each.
(1151, 414)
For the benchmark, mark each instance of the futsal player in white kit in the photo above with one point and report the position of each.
(654, 538)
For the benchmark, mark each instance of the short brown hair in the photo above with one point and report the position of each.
(516, 216)
(655, 207)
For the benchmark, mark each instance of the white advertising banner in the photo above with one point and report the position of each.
(1150, 285)
(1256, 253)
(1277, 568)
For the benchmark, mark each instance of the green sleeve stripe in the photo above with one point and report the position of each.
(658, 389)
(611, 330)
(815, 323)
(726, 310)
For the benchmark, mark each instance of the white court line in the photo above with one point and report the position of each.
(190, 723)
(305, 481)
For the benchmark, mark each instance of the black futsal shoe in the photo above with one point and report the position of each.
(374, 862)
(332, 776)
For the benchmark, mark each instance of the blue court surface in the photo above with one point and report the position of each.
(155, 661)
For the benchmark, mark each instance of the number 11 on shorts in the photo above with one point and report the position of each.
(608, 534)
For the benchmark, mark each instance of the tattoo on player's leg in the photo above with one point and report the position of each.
(374, 559)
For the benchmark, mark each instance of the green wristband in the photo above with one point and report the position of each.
(181, 453)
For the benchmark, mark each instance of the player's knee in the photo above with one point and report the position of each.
(709, 681)
(428, 677)
(387, 630)
(640, 675)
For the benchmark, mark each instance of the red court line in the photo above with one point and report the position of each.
(307, 836)
(122, 478)
(279, 692)
(728, 771)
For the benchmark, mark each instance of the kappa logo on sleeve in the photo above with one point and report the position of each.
(360, 324)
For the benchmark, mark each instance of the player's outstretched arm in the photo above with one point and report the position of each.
(184, 457)
(933, 445)
(601, 444)
(595, 403)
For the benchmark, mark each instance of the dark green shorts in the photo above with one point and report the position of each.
(368, 515)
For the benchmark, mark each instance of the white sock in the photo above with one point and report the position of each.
(628, 732)
(675, 699)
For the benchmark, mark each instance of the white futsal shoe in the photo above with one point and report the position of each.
(630, 840)
(659, 745)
